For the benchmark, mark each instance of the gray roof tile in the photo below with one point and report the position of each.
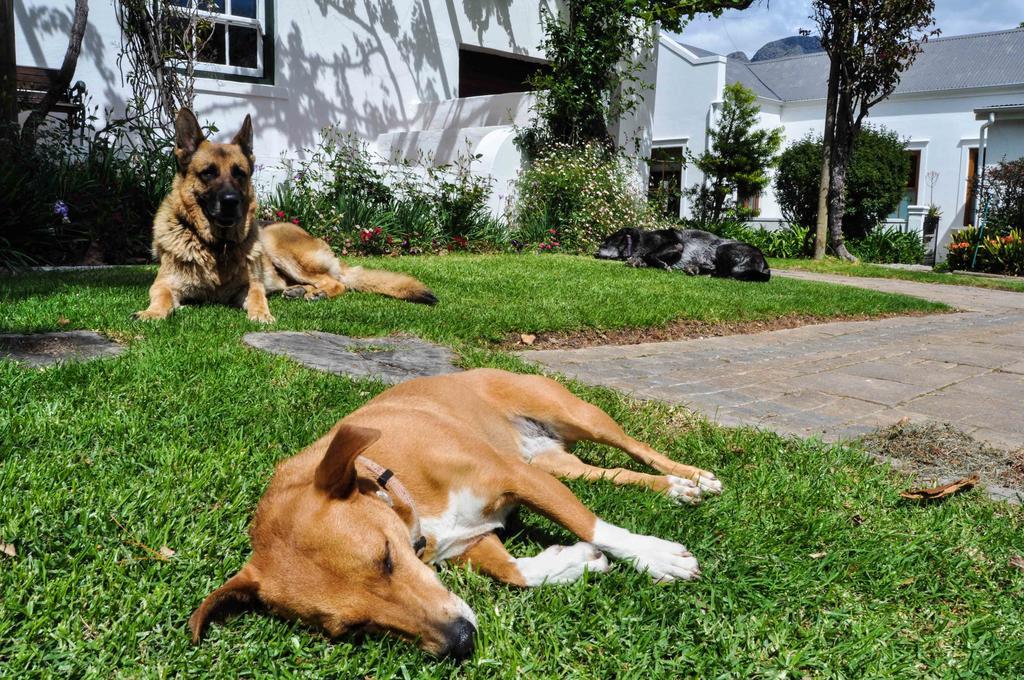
(958, 62)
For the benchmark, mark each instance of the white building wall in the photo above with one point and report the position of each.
(368, 67)
(688, 87)
(1005, 141)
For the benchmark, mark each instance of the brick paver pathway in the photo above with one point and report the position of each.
(841, 379)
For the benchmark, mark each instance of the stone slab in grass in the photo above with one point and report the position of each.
(392, 359)
(43, 349)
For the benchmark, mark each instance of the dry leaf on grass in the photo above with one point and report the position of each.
(817, 555)
(166, 552)
(8, 549)
(1017, 561)
(527, 338)
(943, 491)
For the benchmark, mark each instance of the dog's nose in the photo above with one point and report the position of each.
(460, 636)
(229, 201)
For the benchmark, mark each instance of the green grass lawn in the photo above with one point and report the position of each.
(834, 266)
(812, 566)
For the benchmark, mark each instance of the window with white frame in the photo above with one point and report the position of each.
(232, 42)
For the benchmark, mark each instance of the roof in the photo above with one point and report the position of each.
(1005, 110)
(959, 62)
(737, 71)
(697, 51)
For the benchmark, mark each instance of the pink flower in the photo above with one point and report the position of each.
(280, 214)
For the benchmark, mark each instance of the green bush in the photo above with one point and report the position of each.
(997, 253)
(570, 198)
(887, 245)
(358, 205)
(90, 195)
(789, 242)
(875, 182)
(1005, 196)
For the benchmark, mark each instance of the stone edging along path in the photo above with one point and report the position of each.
(838, 380)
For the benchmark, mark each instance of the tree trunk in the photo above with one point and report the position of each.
(842, 148)
(8, 78)
(824, 181)
(63, 80)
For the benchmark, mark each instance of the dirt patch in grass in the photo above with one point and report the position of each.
(683, 329)
(933, 451)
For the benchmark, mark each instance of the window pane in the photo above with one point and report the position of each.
(243, 46)
(213, 51)
(243, 8)
(205, 5)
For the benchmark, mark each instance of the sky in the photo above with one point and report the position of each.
(765, 21)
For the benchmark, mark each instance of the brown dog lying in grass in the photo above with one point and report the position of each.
(211, 249)
(347, 532)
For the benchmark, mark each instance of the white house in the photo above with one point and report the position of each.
(413, 77)
(962, 94)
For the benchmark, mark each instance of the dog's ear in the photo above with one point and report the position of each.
(187, 138)
(244, 137)
(336, 474)
(239, 593)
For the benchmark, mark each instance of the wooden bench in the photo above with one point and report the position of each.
(32, 84)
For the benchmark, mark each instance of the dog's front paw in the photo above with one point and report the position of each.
(634, 262)
(664, 561)
(562, 564)
(148, 315)
(683, 490)
(262, 317)
(293, 292)
(708, 483)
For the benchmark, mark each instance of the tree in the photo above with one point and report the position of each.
(739, 157)
(62, 81)
(870, 43)
(592, 79)
(877, 179)
(8, 86)
(162, 40)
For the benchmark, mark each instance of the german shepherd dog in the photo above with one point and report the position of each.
(211, 249)
(691, 251)
(349, 530)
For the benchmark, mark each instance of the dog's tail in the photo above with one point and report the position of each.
(394, 285)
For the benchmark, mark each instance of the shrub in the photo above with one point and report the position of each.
(91, 196)
(875, 183)
(1005, 195)
(996, 253)
(887, 245)
(789, 242)
(796, 181)
(359, 205)
(578, 195)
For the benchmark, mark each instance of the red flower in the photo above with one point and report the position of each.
(280, 214)
(295, 221)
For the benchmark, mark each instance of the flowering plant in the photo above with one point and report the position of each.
(998, 253)
(572, 197)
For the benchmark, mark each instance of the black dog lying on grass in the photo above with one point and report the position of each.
(690, 250)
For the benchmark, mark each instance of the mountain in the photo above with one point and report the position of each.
(738, 56)
(788, 47)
